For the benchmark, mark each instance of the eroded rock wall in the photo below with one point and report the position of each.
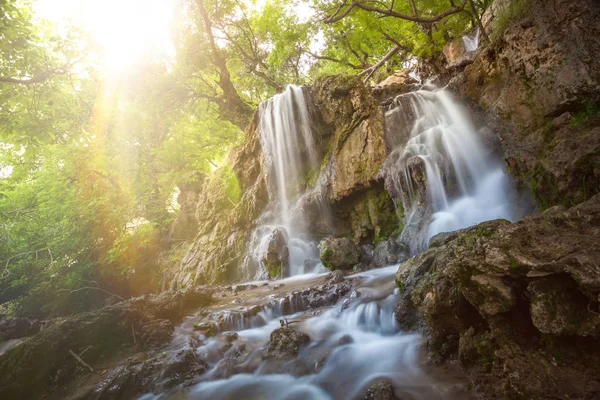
(541, 77)
(516, 304)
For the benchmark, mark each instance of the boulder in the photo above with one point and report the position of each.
(277, 255)
(381, 390)
(339, 253)
(285, 343)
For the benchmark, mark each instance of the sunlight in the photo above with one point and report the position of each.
(125, 31)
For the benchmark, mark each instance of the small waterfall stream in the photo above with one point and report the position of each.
(353, 343)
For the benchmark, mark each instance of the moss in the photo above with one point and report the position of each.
(226, 187)
(274, 270)
(581, 117)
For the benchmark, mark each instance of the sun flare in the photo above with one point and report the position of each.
(123, 31)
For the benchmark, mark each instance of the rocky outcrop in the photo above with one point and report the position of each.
(339, 253)
(357, 145)
(517, 304)
(43, 362)
(540, 76)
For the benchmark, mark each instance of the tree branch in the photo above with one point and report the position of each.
(339, 14)
(371, 70)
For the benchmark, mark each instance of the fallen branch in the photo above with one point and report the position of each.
(80, 361)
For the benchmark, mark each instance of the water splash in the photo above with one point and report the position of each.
(446, 178)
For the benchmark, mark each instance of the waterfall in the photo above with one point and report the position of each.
(471, 43)
(285, 135)
(290, 157)
(444, 176)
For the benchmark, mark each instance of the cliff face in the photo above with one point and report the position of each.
(541, 78)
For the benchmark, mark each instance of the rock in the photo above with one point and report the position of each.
(339, 253)
(208, 329)
(381, 390)
(157, 374)
(285, 343)
(397, 83)
(389, 252)
(517, 304)
(353, 114)
(277, 255)
(328, 294)
(336, 276)
(558, 308)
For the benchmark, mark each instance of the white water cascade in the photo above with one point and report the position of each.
(445, 176)
(290, 155)
(353, 343)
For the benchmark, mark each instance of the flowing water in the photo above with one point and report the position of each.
(290, 156)
(440, 169)
(353, 343)
(471, 43)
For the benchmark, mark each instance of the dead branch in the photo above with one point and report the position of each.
(80, 361)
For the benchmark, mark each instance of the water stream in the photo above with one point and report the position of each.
(352, 344)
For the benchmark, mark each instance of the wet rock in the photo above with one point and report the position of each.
(381, 390)
(208, 329)
(336, 276)
(285, 343)
(517, 304)
(276, 258)
(157, 374)
(328, 294)
(339, 253)
(15, 328)
(185, 365)
(389, 252)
